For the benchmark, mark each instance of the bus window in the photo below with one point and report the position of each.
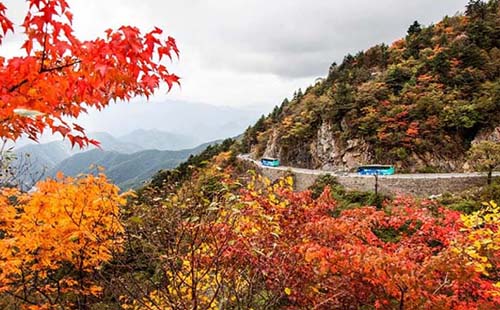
(270, 162)
(376, 169)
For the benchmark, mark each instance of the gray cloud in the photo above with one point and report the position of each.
(301, 38)
(288, 38)
(252, 52)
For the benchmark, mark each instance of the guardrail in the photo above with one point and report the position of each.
(418, 184)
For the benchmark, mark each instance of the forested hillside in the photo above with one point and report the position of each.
(125, 170)
(418, 103)
(128, 161)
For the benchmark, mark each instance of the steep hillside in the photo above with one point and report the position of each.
(417, 104)
(47, 155)
(125, 170)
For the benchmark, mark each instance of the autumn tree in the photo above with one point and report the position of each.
(179, 247)
(485, 156)
(482, 243)
(414, 28)
(54, 242)
(216, 244)
(60, 76)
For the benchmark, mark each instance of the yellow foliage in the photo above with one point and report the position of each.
(67, 223)
(483, 239)
(182, 288)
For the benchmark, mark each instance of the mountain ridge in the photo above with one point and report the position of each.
(127, 163)
(125, 170)
(417, 104)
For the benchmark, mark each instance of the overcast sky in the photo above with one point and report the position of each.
(252, 53)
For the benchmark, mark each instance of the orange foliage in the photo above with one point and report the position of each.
(269, 245)
(398, 44)
(57, 237)
(412, 130)
(425, 78)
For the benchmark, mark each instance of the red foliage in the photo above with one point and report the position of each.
(62, 75)
(401, 257)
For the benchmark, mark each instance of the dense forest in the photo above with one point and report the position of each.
(418, 103)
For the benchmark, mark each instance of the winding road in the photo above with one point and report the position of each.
(418, 184)
(394, 176)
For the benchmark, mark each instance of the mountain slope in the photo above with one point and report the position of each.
(122, 157)
(125, 170)
(110, 143)
(417, 104)
(47, 155)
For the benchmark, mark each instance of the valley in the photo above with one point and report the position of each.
(129, 161)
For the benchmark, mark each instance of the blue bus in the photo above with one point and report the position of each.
(270, 162)
(376, 170)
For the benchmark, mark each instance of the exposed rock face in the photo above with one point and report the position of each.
(325, 149)
(272, 145)
(356, 153)
(483, 135)
(488, 135)
(329, 151)
(418, 163)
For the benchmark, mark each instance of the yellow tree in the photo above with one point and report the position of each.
(54, 241)
(485, 156)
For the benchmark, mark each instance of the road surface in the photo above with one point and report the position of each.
(412, 176)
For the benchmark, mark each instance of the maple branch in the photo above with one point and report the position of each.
(42, 66)
(445, 282)
(43, 70)
(13, 88)
(61, 66)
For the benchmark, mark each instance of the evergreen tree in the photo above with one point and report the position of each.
(415, 28)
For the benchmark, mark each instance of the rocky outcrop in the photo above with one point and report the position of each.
(488, 135)
(422, 162)
(356, 153)
(328, 150)
(484, 135)
(272, 148)
(331, 152)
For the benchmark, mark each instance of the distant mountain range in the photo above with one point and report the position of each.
(197, 121)
(125, 170)
(128, 160)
